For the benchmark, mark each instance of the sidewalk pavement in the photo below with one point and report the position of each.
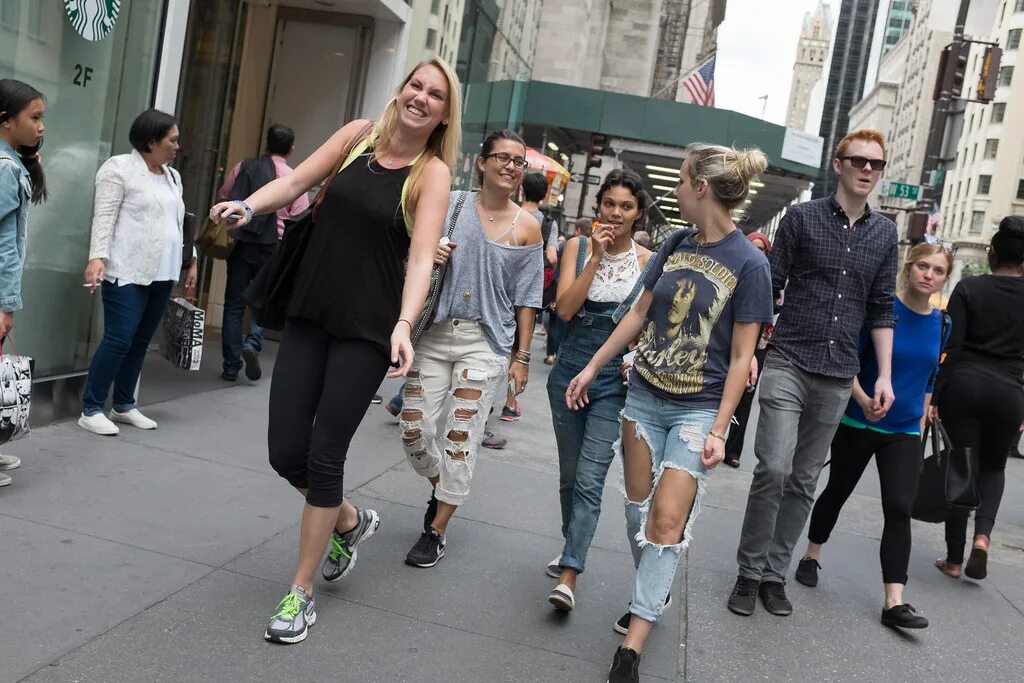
(159, 556)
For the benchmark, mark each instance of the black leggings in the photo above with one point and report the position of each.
(898, 457)
(981, 409)
(320, 391)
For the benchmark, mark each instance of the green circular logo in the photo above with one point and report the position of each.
(92, 19)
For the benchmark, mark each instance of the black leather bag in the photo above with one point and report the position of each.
(426, 318)
(948, 478)
(270, 291)
(188, 238)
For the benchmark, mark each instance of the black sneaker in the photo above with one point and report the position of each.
(903, 616)
(622, 625)
(807, 572)
(377, 399)
(428, 551)
(511, 414)
(228, 377)
(428, 516)
(773, 596)
(743, 596)
(625, 667)
(253, 371)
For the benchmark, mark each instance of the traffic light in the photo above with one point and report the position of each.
(596, 151)
(952, 70)
(917, 226)
(989, 79)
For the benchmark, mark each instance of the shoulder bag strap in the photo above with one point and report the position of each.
(581, 254)
(460, 199)
(343, 161)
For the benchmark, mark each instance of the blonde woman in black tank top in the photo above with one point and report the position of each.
(352, 308)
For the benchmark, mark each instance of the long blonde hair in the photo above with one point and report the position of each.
(919, 252)
(443, 143)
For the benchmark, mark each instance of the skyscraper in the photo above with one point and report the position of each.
(811, 54)
(850, 56)
(897, 22)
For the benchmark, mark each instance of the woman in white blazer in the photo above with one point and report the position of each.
(135, 258)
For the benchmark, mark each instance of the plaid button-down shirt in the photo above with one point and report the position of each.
(836, 278)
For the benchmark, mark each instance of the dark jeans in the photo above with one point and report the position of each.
(898, 458)
(243, 264)
(321, 388)
(555, 328)
(738, 430)
(131, 316)
(982, 409)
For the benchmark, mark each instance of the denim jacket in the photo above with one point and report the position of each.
(15, 192)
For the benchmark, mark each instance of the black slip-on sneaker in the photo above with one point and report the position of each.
(903, 616)
(807, 572)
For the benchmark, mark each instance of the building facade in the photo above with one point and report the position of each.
(847, 74)
(985, 181)
(897, 22)
(811, 53)
(434, 30)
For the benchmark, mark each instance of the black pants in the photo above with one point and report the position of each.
(738, 431)
(981, 409)
(898, 457)
(243, 264)
(320, 391)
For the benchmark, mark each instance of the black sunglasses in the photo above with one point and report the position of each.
(861, 162)
(504, 157)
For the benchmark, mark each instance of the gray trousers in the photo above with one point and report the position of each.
(800, 412)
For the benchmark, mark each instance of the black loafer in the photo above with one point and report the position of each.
(903, 616)
(743, 598)
(807, 572)
(773, 597)
(977, 564)
(732, 461)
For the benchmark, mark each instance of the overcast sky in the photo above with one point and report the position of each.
(756, 48)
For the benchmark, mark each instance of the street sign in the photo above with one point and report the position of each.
(591, 178)
(901, 190)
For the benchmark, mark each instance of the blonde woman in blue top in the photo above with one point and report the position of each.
(21, 182)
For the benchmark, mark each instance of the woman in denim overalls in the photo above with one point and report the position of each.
(599, 281)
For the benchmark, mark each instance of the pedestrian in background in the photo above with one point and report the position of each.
(894, 439)
(359, 289)
(979, 395)
(22, 182)
(486, 309)
(135, 259)
(254, 245)
(707, 292)
(837, 261)
(738, 428)
(599, 282)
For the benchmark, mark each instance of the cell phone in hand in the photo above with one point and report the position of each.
(233, 218)
(512, 387)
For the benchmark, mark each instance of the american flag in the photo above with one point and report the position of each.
(701, 84)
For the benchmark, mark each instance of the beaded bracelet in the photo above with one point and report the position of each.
(246, 208)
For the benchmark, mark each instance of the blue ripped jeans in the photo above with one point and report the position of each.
(675, 436)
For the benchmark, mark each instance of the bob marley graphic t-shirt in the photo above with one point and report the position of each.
(699, 292)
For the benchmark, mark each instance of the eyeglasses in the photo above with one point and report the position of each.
(949, 247)
(504, 157)
(861, 162)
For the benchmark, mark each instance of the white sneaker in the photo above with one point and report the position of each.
(9, 462)
(5, 479)
(98, 424)
(134, 418)
(554, 568)
(562, 598)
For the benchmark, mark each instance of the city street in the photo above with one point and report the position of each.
(160, 556)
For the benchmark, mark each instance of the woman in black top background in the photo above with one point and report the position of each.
(979, 389)
(353, 306)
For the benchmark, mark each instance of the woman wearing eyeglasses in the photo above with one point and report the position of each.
(979, 389)
(893, 437)
(492, 287)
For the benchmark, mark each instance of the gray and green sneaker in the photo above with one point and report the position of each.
(341, 556)
(295, 614)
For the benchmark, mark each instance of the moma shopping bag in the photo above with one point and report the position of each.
(181, 339)
(15, 396)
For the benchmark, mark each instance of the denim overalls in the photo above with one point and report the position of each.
(586, 437)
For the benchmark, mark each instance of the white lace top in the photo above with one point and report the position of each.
(616, 274)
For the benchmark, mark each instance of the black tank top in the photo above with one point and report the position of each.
(351, 277)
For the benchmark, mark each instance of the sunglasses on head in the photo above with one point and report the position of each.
(861, 162)
(949, 247)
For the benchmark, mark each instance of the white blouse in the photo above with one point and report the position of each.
(615, 277)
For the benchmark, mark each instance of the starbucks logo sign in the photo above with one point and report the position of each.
(92, 19)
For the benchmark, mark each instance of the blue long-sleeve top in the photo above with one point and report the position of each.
(15, 192)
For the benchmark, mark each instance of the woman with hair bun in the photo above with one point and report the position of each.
(600, 280)
(706, 295)
(979, 391)
(21, 183)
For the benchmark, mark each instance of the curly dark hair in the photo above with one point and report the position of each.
(631, 180)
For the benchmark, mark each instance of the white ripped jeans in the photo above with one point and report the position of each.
(456, 373)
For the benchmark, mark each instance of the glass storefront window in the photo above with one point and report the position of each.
(97, 73)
